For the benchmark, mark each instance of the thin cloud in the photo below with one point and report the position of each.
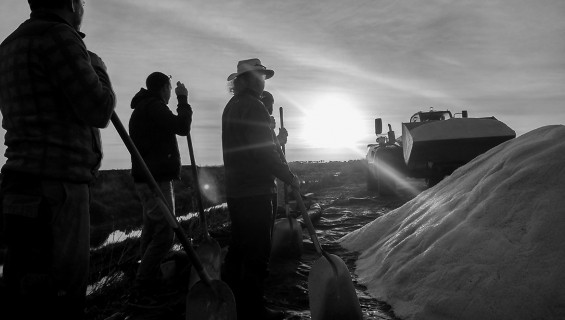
(504, 58)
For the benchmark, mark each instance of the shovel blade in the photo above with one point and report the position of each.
(331, 292)
(210, 255)
(215, 302)
(287, 239)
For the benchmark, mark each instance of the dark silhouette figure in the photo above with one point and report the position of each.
(251, 162)
(153, 128)
(55, 95)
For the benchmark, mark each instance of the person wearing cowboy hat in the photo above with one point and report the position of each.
(251, 163)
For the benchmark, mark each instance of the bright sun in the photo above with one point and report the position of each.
(332, 122)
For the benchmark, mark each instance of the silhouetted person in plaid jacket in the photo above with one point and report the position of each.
(54, 97)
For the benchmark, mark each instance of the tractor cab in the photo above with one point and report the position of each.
(389, 139)
(431, 116)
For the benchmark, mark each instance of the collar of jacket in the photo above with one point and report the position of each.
(144, 97)
(50, 16)
(152, 95)
(250, 92)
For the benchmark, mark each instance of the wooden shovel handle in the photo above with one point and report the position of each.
(282, 126)
(281, 115)
(286, 207)
(308, 222)
(161, 200)
(197, 187)
(312, 231)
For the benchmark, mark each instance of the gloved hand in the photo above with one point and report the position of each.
(283, 136)
(181, 90)
(95, 61)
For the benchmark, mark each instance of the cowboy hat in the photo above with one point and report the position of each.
(244, 66)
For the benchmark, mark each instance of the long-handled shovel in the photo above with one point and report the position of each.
(287, 232)
(208, 299)
(331, 292)
(208, 249)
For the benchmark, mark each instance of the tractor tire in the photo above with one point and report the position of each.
(385, 185)
(434, 178)
(388, 169)
(372, 184)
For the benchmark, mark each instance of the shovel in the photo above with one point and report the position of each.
(208, 299)
(287, 232)
(208, 249)
(331, 292)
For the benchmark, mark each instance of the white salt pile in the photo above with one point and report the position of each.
(488, 242)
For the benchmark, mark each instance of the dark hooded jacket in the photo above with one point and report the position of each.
(153, 129)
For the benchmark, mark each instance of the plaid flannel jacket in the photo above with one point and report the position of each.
(53, 101)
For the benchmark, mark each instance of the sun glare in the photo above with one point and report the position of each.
(332, 122)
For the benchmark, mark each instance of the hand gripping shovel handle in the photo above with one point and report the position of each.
(197, 186)
(161, 199)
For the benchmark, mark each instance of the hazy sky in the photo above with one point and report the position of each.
(338, 64)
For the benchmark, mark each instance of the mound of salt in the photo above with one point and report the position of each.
(488, 242)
